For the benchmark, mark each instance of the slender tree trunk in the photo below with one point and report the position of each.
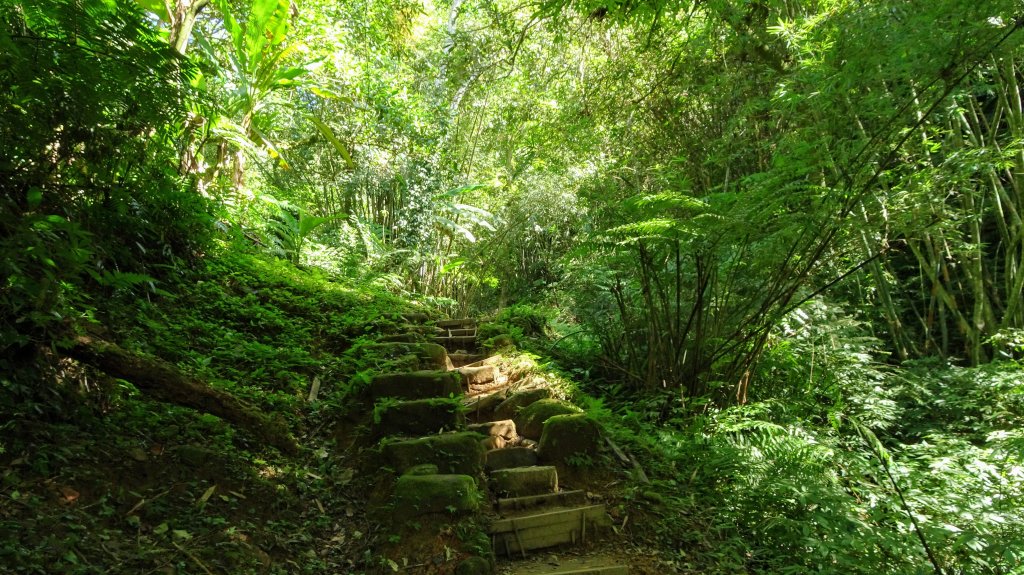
(183, 16)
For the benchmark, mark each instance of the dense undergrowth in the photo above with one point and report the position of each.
(836, 462)
(99, 478)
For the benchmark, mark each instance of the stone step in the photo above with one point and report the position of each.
(478, 375)
(453, 340)
(482, 361)
(510, 457)
(560, 499)
(466, 359)
(461, 332)
(417, 495)
(417, 356)
(454, 453)
(511, 406)
(505, 428)
(416, 384)
(582, 566)
(457, 323)
(523, 533)
(522, 481)
(481, 407)
(418, 417)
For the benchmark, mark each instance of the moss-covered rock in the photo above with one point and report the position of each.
(530, 420)
(508, 408)
(569, 436)
(416, 317)
(474, 566)
(417, 495)
(419, 416)
(501, 341)
(523, 481)
(416, 385)
(400, 355)
(459, 453)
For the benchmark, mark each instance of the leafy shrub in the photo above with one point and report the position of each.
(840, 464)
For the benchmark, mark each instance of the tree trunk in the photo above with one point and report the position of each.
(183, 18)
(164, 382)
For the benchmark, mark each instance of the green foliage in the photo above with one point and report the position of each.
(91, 205)
(531, 320)
(290, 229)
(812, 474)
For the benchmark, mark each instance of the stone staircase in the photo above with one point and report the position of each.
(464, 443)
(458, 336)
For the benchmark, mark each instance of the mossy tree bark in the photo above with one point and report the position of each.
(164, 382)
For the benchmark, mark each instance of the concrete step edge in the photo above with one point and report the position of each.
(570, 515)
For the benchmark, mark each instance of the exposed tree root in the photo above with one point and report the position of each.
(164, 382)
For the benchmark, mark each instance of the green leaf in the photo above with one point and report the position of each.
(156, 7)
(327, 133)
(34, 198)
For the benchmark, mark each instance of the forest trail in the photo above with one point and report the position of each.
(492, 443)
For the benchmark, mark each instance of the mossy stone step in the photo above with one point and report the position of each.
(417, 495)
(510, 457)
(540, 530)
(511, 406)
(478, 375)
(416, 317)
(521, 481)
(561, 499)
(416, 385)
(464, 359)
(459, 453)
(453, 340)
(488, 360)
(530, 421)
(457, 323)
(568, 436)
(419, 416)
(411, 356)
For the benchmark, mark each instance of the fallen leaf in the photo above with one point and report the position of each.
(70, 495)
(206, 495)
(138, 454)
